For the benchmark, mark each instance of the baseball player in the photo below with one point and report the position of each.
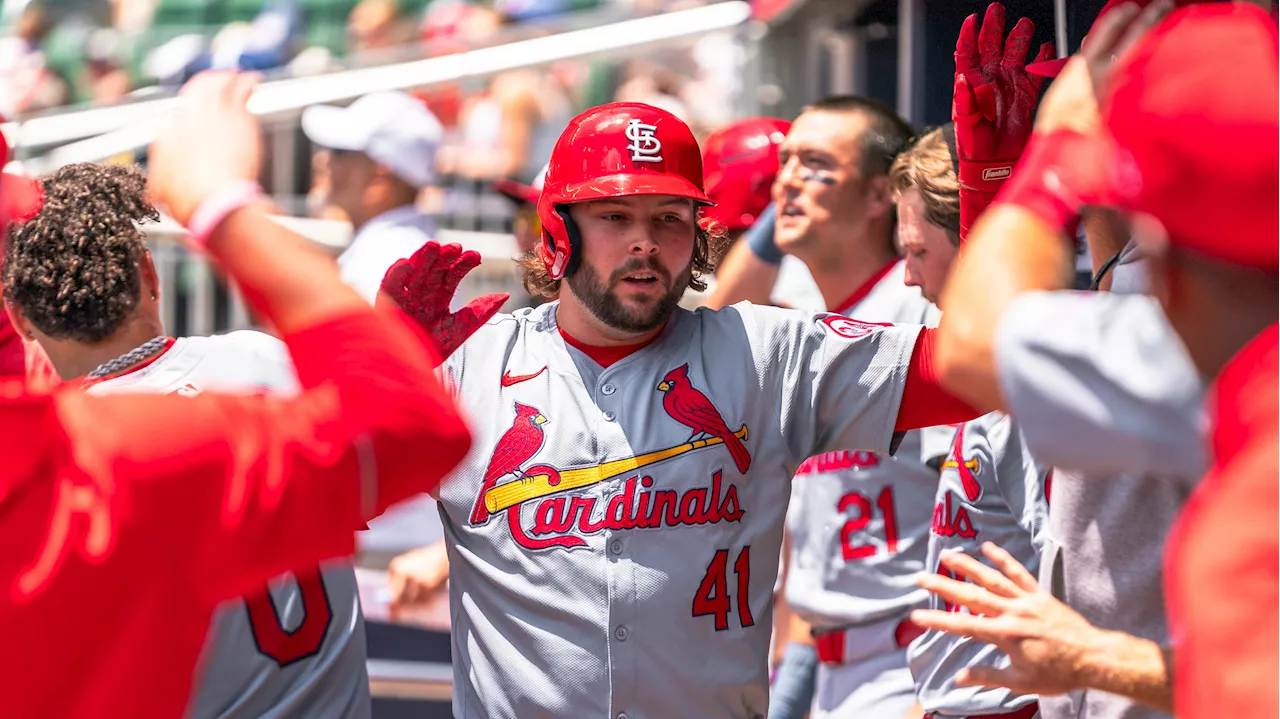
(127, 519)
(990, 488)
(614, 538)
(1162, 118)
(296, 648)
(739, 162)
(858, 521)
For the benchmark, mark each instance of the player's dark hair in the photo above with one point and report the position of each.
(885, 136)
(710, 240)
(74, 270)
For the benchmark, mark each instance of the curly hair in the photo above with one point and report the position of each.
(73, 269)
(927, 166)
(710, 241)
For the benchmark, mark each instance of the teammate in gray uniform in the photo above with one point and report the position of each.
(990, 489)
(614, 537)
(858, 521)
(1103, 386)
(296, 649)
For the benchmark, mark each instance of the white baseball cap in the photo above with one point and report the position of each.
(392, 128)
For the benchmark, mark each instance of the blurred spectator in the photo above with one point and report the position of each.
(104, 75)
(376, 25)
(26, 82)
(381, 153)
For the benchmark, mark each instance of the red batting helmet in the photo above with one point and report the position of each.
(739, 162)
(614, 150)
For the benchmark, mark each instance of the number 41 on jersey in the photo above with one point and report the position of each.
(713, 593)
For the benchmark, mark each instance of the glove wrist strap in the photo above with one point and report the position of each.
(985, 176)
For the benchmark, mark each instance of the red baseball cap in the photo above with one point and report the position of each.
(20, 197)
(1192, 110)
(1051, 68)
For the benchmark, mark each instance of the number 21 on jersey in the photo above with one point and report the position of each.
(713, 595)
(862, 510)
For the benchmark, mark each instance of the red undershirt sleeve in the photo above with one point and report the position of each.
(924, 401)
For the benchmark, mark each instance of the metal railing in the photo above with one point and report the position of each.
(195, 301)
(111, 131)
(421, 681)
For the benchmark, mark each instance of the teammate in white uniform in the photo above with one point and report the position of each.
(990, 488)
(295, 649)
(859, 522)
(614, 537)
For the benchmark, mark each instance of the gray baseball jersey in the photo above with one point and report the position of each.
(990, 491)
(1105, 547)
(614, 537)
(859, 521)
(297, 648)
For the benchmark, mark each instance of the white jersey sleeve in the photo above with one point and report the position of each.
(839, 380)
(1100, 383)
(297, 647)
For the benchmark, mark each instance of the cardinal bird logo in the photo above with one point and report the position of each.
(966, 469)
(518, 445)
(691, 408)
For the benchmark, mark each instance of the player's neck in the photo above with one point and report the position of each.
(842, 272)
(74, 359)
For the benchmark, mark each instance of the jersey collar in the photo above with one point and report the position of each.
(605, 356)
(864, 289)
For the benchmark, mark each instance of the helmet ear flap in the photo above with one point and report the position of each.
(574, 237)
(560, 253)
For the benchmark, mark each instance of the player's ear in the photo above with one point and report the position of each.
(879, 196)
(150, 279)
(20, 323)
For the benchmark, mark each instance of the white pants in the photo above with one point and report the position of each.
(874, 682)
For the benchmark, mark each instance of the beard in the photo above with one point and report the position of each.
(599, 297)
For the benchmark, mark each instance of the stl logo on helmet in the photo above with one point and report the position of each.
(644, 143)
(561, 521)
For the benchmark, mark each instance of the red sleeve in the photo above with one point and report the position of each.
(924, 402)
(240, 489)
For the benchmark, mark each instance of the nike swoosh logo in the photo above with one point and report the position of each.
(509, 379)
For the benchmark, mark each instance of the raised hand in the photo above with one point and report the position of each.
(423, 285)
(1047, 642)
(993, 106)
(208, 142)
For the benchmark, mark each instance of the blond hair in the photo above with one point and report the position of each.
(927, 167)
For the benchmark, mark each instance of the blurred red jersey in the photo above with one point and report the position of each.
(12, 362)
(125, 519)
(1223, 559)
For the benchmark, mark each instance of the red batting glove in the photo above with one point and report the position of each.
(423, 285)
(993, 107)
